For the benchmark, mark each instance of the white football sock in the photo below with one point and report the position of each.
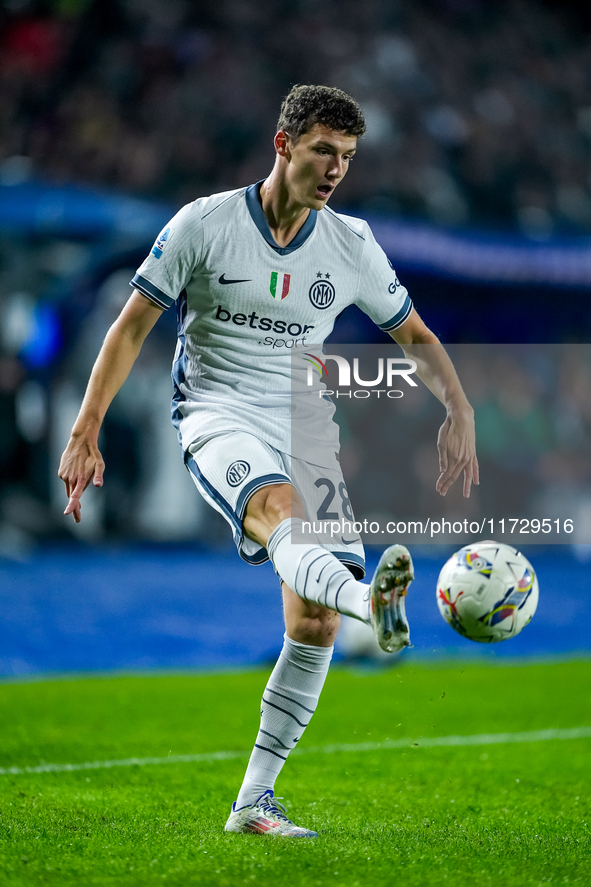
(289, 701)
(317, 575)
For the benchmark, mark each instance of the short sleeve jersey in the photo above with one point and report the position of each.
(244, 304)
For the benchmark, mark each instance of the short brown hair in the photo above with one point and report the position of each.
(307, 105)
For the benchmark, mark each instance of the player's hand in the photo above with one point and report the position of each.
(456, 444)
(80, 464)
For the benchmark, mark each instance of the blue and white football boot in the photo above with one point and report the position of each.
(388, 589)
(265, 817)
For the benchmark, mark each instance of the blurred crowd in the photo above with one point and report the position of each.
(478, 111)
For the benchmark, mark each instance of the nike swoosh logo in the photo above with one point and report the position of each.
(223, 280)
(349, 541)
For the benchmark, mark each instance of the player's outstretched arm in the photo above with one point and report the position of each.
(81, 461)
(456, 442)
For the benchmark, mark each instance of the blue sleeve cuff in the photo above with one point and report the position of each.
(398, 318)
(151, 292)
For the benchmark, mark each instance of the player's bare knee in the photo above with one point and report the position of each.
(279, 503)
(319, 630)
(329, 628)
(268, 507)
(331, 624)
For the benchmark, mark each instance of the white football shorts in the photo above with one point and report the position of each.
(229, 468)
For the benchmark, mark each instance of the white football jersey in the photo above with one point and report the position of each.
(244, 304)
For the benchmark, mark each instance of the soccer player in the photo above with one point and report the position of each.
(255, 273)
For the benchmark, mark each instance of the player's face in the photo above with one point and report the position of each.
(317, 163)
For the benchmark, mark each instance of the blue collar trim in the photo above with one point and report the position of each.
(258, 216)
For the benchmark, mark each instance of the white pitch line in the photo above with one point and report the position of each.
(422, 742)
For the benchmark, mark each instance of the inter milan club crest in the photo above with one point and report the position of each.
(322, 293)
(237, 472)
(279, 285)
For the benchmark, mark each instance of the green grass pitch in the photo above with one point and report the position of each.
(504, 814)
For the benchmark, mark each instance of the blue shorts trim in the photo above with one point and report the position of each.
(256, 559)
(235, 516)
(224, 506)
(257, 483)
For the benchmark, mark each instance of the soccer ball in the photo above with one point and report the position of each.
(487, 592)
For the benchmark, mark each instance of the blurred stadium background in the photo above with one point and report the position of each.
(475, 174)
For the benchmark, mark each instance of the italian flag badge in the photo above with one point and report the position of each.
(279, 285)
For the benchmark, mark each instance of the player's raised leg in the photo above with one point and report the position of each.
(318, 576)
